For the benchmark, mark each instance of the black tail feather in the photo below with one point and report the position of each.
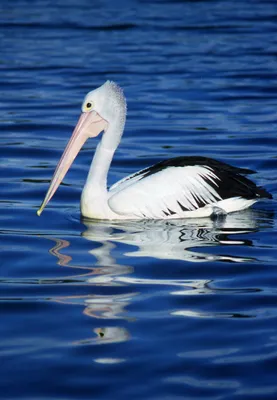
(263, 193)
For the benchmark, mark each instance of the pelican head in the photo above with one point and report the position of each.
(108, 101)
(101, 108)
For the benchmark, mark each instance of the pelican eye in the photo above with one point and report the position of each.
(88, 106)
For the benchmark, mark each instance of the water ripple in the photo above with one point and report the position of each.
(151, 309)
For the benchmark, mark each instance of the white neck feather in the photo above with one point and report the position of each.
(94, 200)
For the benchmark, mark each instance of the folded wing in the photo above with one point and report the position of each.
(176, 186)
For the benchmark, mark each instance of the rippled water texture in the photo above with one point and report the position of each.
(137, 310)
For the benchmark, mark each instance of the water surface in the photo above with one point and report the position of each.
(140, 310)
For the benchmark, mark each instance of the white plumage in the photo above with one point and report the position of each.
(171, 189)
(176, 188)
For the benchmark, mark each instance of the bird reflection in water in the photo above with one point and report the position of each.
(176, 239)
(192, 241)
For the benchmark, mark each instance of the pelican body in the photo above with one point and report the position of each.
(181, 187)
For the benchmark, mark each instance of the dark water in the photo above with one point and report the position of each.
(144, 310)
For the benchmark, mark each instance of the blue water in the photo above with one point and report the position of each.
(137, 310)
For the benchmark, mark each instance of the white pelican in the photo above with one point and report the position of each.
(179, 187)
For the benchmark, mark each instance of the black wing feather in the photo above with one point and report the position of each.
(231, 181)
(196, 160)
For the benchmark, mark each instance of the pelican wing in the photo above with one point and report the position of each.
(166, 193)
(173, 188)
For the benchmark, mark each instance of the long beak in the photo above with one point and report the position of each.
(90, 124)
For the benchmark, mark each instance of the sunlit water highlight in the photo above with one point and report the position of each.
(138, 310)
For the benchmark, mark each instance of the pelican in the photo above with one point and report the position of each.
(180, 187)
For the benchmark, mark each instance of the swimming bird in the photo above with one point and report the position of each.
(180, 187)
